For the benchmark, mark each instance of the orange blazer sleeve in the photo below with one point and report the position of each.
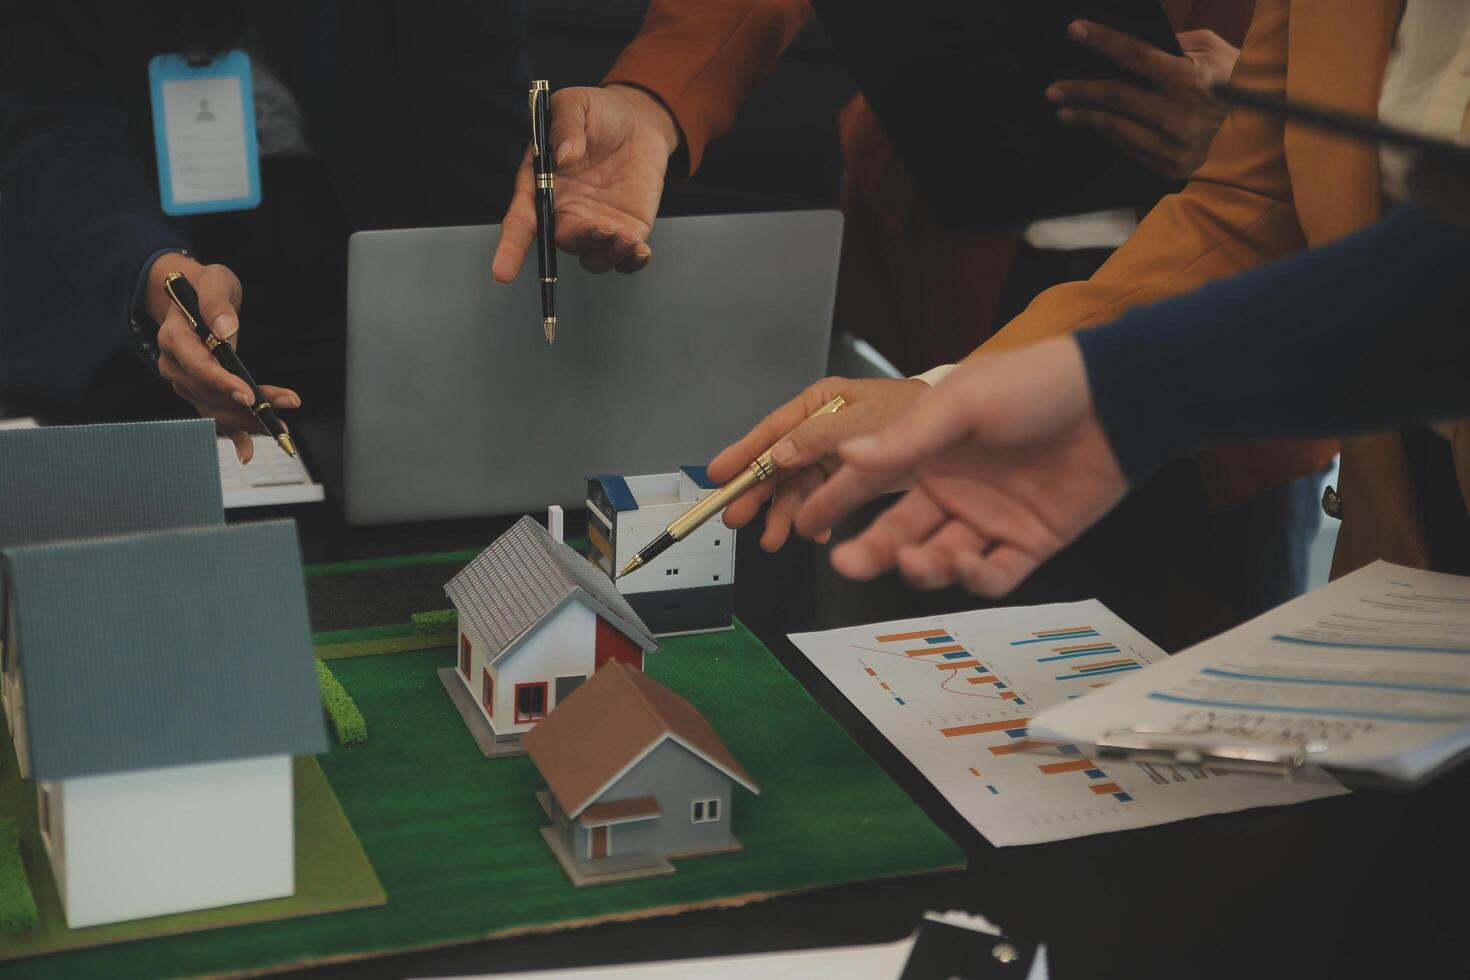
(1236, 212)
(701, 58)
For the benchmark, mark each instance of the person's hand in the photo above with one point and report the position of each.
(1167, 127)
(805, 448)
(611, 147)
(1009, 464)
(187, 364)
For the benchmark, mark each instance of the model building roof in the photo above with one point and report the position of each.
(524, 577)
(164, 648)
(78, 481)
(611, 723)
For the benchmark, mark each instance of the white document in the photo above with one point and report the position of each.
(884, 961)
(880, 961)
(208, 158)
(956, 694)
(269, 479)
(1371, 673)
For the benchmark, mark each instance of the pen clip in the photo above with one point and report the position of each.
(537, 86)
(1203, 750)
(170, 287)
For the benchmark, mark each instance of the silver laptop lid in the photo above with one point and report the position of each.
(457, 407)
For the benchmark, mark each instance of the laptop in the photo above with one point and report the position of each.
(457, 407)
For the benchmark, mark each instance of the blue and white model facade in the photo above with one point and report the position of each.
(690, 588)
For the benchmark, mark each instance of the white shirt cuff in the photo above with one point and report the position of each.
(935, 375)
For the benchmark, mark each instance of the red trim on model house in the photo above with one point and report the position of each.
(611, 644)
(525, 719)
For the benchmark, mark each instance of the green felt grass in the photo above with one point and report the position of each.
(347, 721)
(361, 634)
(454, 836)
(17, 904)
(370, 641)
(332, 875)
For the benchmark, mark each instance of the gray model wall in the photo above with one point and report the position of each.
(676, 777)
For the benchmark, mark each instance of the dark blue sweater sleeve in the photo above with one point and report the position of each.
(1370, 332)
(71, 167)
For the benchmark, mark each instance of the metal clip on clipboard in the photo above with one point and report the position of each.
(1204, 750)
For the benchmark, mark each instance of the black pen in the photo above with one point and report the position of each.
(542, 161)
(182, 293)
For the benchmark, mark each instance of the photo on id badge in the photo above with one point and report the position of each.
(204, 133)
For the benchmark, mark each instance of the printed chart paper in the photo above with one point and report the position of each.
(1372, 672)
(956, 693)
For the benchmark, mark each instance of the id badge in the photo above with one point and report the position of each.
(204, 134)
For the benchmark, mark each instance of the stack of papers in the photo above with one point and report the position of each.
(1369, 674)
(270, 478)
(958, 694)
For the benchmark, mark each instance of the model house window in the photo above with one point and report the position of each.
(705, 811)
(464, 656)
(530, 702)
(487, 691)
(46, 811)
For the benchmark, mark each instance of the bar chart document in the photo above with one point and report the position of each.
(956, 695)
(1370, 673)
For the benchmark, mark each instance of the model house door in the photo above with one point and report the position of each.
(599, 842)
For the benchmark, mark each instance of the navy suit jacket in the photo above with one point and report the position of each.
(415, 111)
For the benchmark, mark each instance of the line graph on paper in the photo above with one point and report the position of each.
(956, 693)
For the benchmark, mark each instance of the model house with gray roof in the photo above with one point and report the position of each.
(78, 481)
(168, 682)
(635, 776)
(536, 619)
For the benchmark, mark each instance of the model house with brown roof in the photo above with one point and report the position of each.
(635, 777)
(536, 619)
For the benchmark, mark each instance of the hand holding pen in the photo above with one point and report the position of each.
(756, 472)
(610, 148)
(186, 361)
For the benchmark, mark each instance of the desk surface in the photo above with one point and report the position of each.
(1332, 888)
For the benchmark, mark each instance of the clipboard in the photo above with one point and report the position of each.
(1284, 760)
(958, 87)
(1349, 124)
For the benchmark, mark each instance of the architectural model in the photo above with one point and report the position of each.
(635, 776)
(536, 619)
(167, 681)
(139, 476)
(690, 588)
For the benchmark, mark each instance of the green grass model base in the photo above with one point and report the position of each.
(456, 841)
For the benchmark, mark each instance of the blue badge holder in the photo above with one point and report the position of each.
(175, 67)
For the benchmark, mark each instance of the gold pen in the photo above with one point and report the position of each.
(759, 469)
